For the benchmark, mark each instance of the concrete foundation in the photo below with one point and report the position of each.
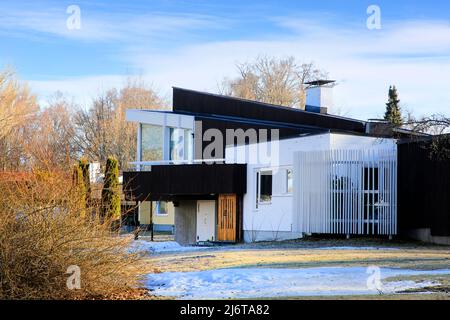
(425, 236)
(186, 222)
(257, 236)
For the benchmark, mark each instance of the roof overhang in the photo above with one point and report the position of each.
(161, 118)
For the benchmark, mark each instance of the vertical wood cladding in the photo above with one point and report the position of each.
(205, 103)
(423, 189)
(165, 182)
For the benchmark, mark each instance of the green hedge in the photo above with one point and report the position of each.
(111, 192)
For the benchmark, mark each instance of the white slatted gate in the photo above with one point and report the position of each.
(346, 192)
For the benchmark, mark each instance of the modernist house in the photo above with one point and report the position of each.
(239, 170)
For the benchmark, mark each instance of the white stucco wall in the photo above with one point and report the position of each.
(273, 221)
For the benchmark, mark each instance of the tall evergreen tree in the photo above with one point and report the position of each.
(111, 192)
(393, 113)
(80, 189)
(84, 166)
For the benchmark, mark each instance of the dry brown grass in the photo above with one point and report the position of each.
(42, 233)
(302, 255)
(412, 258)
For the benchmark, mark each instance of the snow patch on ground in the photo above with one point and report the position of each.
(259, 282)
(161, 247)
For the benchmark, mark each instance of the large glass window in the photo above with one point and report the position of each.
(152, 140)
(160, 143)
(176, 150)
(181, 144)
(188, 144)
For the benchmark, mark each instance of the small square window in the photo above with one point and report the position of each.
(161, 208)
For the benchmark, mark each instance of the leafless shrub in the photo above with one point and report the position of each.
(42, 233)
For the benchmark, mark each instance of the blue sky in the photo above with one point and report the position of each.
(194, 44)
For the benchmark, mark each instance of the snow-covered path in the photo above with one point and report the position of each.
(163, 247)
(259, 282)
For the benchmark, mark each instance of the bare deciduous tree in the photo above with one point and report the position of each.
(16, 102)
(52, 143)
(17, 110)
(434, 124)
(437, 125)
(271, 80)
(102, 130)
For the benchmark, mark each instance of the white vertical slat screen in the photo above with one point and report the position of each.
(345, 192)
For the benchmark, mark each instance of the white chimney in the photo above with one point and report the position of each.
(319, 96)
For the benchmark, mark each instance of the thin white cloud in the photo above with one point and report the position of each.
(362, 61)
(106, 27)
(414, 55)
(81, 89)
(412, 37)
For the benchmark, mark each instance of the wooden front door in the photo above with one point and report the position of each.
(227, 221)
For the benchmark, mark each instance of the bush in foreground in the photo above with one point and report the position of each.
(43, 232)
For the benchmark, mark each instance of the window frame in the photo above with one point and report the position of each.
(159, 214)
(166, 140)
(259, 201)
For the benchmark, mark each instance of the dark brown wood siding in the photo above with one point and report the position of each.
(209, 104)
(171, 181)
(423, 190)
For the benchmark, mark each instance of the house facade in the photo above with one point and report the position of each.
(159, 215)
(328, 183)
(239, 170)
